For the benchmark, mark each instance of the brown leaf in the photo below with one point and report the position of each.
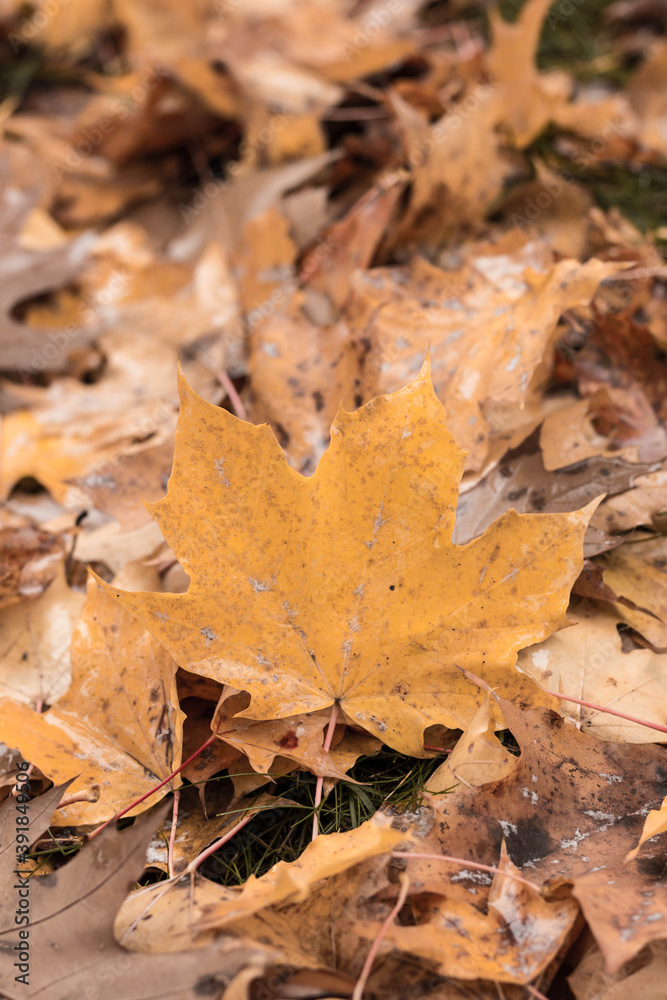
(520, 482)
(29, 560)
(118, 728)
(513, 942)
(35, 641)
(71, 942)
(27, 274)
(587, 661)
(489, 322)
(569, 814)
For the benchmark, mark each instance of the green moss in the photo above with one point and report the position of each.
(575, 37)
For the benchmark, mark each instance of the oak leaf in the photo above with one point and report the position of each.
(344, 587)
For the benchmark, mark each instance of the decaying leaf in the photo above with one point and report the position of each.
(587, 661)
(474, 318)
(35, 643)
(71, 917)
(29, 560)
(320, 593)
(639, 573)
(478, 757)
(569, 813)
(26, 274)
(219, 907)
(511, 943)
(117, 731)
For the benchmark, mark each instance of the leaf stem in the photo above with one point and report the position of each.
(233, 396)
(172, 834)
(199, 860)
(468, 864)
(607, 711)
(157, 788)
(375, 947)
(320, 780)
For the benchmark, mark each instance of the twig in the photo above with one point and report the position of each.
(468, 864)
(375, 947)
(320, 780)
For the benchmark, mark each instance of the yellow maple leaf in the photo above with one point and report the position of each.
(345, 587)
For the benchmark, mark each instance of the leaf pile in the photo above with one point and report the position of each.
(374, 294)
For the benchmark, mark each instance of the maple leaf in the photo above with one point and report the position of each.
(512, 943)
(118, 727)
(141, 921)
(569, 813)
(345, 588)
(490, 322)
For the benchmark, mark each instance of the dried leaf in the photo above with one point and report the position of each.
(118, 728)
(511, 943)
(587, 661)
(639, 573)
(271, 613)
(29, 560)
(490, 324)
(569, 814)
(35, 641)
(71, 939)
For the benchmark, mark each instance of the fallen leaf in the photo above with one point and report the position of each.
(35, 641)
(118, 728)
(610, 423)
(299, 737)
(474, 319)
(521, 482)
(27, 274)
(642, 978)
(587, 661)
(639, 573)
(119, 488)
(71, 942)
(513, 942)
(478, 757)
(569, 813)
(300, 635)
(29, 562)
(155, 921)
